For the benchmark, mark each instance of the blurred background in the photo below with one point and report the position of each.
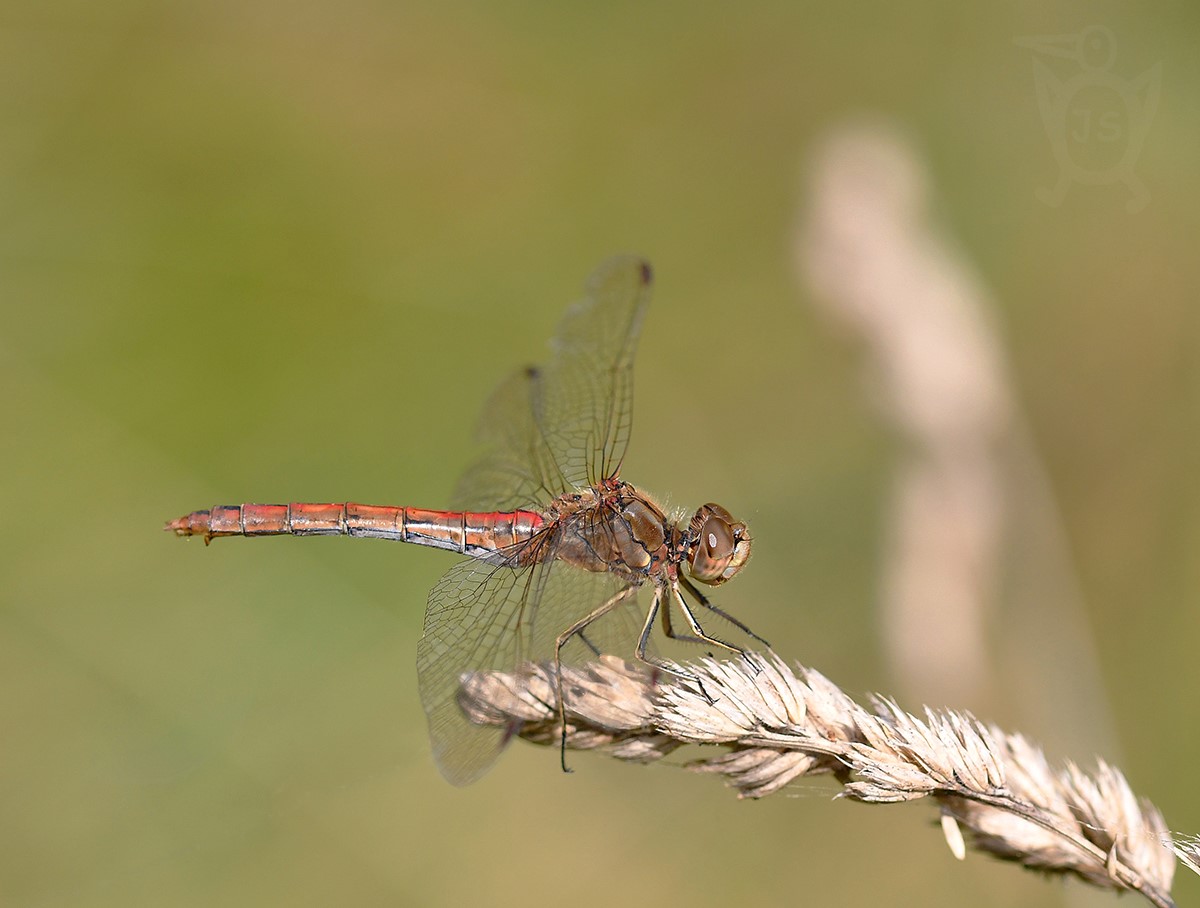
(282, 251)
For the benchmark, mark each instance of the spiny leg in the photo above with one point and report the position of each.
(577, 628)
(706, 603)
(669, 631)
(702, 637)
(699, 635)
(661, 665)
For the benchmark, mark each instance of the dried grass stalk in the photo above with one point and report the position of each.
(774, 724)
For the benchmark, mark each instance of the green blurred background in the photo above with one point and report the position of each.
(282, 251)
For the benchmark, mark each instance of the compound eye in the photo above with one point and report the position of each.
(716, 538)
(714, 548)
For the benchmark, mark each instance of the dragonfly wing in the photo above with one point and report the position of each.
(615, 633)
(564, 426)
(570, 595)
(583, 397)
(475, 621)
(515, 468)
(488, 616)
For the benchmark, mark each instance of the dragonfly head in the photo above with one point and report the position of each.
(718, 545)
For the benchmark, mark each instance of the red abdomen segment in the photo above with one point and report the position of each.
(468, 532)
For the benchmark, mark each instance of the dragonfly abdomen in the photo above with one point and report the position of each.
(476, 533)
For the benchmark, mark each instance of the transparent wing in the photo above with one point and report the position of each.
(583, 398)
(489, 615)
(544, 432)
(515, 468)
(550, 430)
(615, 633)
(473, 622)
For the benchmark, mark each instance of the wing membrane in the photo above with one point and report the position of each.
(555, 429)
(544, 432)
(489, 615)
(515, 468)
(583, 402)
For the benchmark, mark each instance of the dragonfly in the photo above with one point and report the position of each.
(556, 540)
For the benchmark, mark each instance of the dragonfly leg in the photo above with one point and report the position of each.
(701, 637)
(669, 630)
(577, 629)
(706, 603)
(658, 664)
(698, 634)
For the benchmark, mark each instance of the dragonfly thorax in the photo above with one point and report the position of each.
(640, 532)
(717, 545)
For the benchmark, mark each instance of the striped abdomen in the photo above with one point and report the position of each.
(468, 532)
